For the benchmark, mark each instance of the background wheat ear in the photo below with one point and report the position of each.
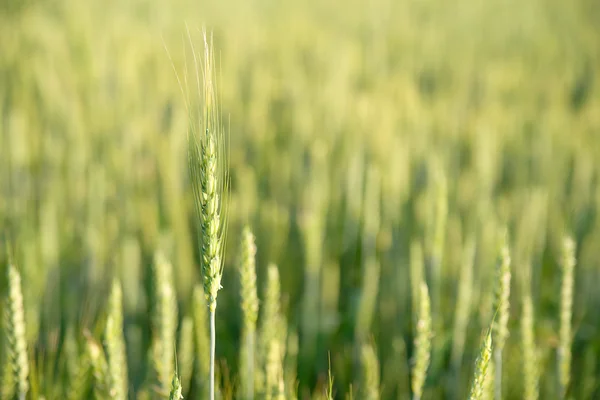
(176, 392)
(16, 344)
(566, 313)
(422, 343)
(164, 322)
(115, 344)
(249, 304)
(502, 310)
(481, 368)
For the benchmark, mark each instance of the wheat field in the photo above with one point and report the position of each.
(391, 199)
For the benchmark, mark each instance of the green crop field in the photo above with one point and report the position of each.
(319, 199)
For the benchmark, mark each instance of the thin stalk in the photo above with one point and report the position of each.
(213, 342)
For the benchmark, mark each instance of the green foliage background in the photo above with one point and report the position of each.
(359, 130)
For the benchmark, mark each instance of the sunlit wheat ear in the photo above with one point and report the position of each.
(16, 346)
(115, 344)
(249, 300)
(481, 368)
(209, 175)
(529, 351)
(422, 343)
(164, 322)
(369, 381)
(208, 168)
(502, 308)
(566, 312)
(176, 389)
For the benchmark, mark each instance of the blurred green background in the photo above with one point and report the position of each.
(366, 136)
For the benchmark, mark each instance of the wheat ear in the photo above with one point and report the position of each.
(422, 343)
(481, 367)
(115, 344)
(566, 313)
(502, 308)
(208, 172)
(249, 300)
(15, 333)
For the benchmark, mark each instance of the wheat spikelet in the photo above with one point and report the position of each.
(249, 300)
(530, 359)
(566, 312)
(271, 332)
(481, 369)
(422, 343)
(16, 348)
(164, 323)
(176, 389)
(502, 308)
(115, 345)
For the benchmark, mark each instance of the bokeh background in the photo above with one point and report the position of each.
(367, 139)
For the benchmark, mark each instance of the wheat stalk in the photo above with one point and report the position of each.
(201, 339)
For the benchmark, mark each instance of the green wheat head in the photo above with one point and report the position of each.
(115, 345)
(208, 168)
(176, 389)
(164, 322)
(422, 343)
(481, 369)
(501, 304)
(16, 344)
(566, 314)
(249, 300)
